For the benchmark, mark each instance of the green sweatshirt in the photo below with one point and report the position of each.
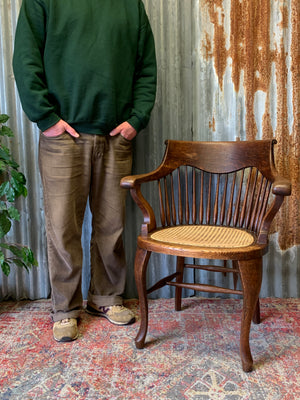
(89, 62)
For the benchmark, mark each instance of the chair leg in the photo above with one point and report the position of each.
(256, 316)
(140, 268)
(235, 265)
(251, 277)
(179, 279)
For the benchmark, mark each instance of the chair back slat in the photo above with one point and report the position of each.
(180, 212)
(201, 207)
(208, 205)
(187, 208)
(264, 204)
(246, 201)
(167, 203)
(161, 205)
(216, 202)
(173, 206)
(249, 199)
(238, 201)
(260, 203)
(194, 207)
(223, 206)
(230, 206)
(254, 213)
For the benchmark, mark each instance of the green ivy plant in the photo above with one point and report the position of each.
(12, 186)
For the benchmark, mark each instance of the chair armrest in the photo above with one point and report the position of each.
(281, 186)
(131, 181)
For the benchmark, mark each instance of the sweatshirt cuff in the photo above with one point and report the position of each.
(47, 122)
(136, 123)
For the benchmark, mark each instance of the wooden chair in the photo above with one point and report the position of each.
(216, 200)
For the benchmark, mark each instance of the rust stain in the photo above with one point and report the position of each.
(216, 13)
(237, 41)
(207, 46)
(285, 17)
(212, 124)
(251, 53)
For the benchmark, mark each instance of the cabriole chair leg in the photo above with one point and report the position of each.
(179, 279)
(140, 268)
(251, 277)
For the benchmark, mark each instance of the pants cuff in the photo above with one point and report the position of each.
(104, 301)
(58, 316)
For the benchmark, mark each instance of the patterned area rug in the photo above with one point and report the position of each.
(192, 354)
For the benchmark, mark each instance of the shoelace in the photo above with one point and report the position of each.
(117, 308)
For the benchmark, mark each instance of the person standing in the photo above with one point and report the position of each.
(86, 74)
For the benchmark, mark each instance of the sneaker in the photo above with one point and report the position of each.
(65, 330)
(118, 315)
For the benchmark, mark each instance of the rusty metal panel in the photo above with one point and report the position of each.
(227, 70)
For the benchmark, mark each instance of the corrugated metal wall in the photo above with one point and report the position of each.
(227, 69)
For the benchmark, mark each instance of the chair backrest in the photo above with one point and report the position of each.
(216, 183)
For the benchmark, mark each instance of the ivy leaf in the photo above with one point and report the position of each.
(20, 263)
(4, 264)
(28, 256)
(5, 268)
(2, 166)
(5, 224)
(18, 182)
(4, 154)
(17, 187)
(3, 118)
(24, 255)
(13, 213)
(18, 177)
(11, 194)
(6, 131)
(4, 188)
(14, 249)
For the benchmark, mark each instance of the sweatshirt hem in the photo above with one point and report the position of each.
(90, 129)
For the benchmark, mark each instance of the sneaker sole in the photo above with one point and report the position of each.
(65, 339)
(96, 313)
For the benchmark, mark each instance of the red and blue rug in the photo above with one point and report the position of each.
(192, 354)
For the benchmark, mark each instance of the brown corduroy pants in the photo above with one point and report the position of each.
(72, 171)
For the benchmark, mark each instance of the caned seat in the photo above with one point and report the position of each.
(210, 200)
(204, 236)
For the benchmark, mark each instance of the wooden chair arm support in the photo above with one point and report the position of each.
(281, 186)
(266, 223)
(149, 217)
